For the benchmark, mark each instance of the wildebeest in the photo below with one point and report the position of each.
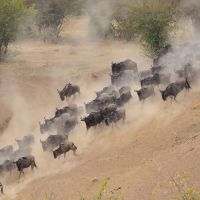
(68, 91)
(25, 162)
(100, 102)
(108, 109)
(115, 116)
(111, 90)
(161, 52)
(156, 79)
(72, 109)
(6, 151)
(53, 141)
(173, 89)
(145, 93)
(152, 80)
(187, 72)
(125, 95)
(123, 78)
(47, 125)
(157, 69)
(7, 166)
(93, 119)
(61, 125)
(64, 148)
(21, 153)
(26, 141)
(144, 74)
(65, 123)
(124, 65)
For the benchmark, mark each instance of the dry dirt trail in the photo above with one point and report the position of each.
(157, 139)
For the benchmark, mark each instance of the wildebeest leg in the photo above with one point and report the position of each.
(21, 172)
(171, 98)
(175, 99)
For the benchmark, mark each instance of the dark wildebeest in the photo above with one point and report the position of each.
(125, 95)
(64, 148)
(156, 79)
(65, 123)
(123, 66)
(109, 109)
(53, 141)
(144, 74)
(93, 119)
(157, 69)
(160, 53)
(7, 166)
(100, 103)
(173, 89)
(26, 141)
(124, 77)
(21, 153)
(115, 116)
(25, 162)
(72, 109)
(145, 93)
(111, 90)
(6, 151)
(68, 91)
(152, 80)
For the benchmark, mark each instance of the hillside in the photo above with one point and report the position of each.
(157, 140)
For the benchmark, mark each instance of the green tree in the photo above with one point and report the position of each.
(12, 13)
(151, 21)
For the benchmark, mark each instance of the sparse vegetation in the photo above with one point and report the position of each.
(12, 12)
(184, 192)
(52, 14)
(102, 194)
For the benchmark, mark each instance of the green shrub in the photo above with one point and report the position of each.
(12, 12)
(151, 21)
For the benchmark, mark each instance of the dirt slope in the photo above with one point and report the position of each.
(157, 139)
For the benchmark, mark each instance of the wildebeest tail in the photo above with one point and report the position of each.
(187, 85)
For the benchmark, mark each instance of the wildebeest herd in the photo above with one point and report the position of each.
(107, 108)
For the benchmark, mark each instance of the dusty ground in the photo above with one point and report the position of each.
(157, 140)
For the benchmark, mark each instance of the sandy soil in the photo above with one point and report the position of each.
(157, 140)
